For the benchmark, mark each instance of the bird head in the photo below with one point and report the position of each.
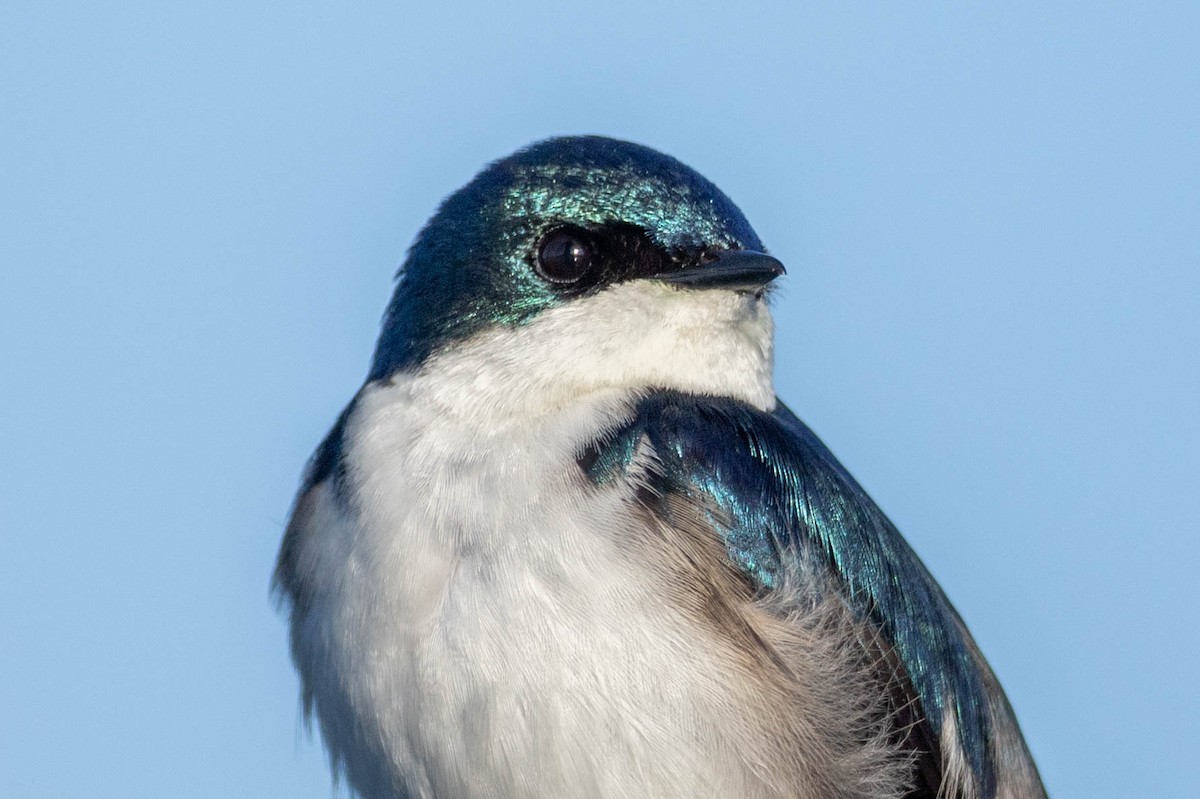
(587, 262)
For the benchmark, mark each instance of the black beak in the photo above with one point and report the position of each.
(738, 270)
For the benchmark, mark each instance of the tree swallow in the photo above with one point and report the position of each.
(566, 542)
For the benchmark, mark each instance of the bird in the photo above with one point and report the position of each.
(565, 540)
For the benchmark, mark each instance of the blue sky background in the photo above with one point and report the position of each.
(991, 218)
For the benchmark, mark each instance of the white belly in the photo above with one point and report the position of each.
(479, 629)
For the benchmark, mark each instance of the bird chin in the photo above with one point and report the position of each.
(631, 338)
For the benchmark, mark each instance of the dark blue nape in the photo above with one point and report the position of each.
(469, 268)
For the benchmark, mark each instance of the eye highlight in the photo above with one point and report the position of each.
(564, 255)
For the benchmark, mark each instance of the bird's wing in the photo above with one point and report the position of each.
(326, 463)
(778, 498)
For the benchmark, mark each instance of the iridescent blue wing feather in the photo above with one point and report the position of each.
(783, 499)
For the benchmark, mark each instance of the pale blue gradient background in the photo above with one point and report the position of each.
(992, 222)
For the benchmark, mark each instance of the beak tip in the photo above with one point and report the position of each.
(738, 270)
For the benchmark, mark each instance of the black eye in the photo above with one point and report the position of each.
(564, 255)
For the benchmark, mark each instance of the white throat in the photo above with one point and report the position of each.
(632, 337)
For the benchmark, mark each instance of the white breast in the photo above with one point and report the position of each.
(479, 630)
(476, 624)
